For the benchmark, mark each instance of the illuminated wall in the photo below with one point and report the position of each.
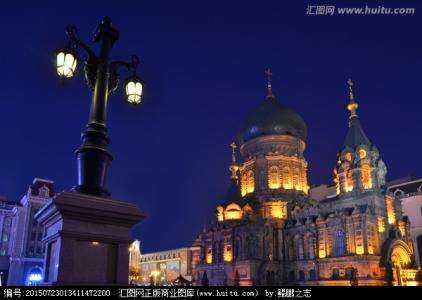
(233, 212)
(391, 214)
(274, 209)
(228, 253)
(247, 182)
(287, 172)
(381, 224)
(321, 244)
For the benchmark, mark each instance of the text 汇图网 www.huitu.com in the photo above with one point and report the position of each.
(326, 10)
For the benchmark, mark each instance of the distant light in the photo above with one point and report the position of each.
(95, 243)
(35, 277)
(66, 63)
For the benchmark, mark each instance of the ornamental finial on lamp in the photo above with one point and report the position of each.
(352, 106)
(234, 167)
(269, 84)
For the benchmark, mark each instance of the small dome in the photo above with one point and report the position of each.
(272, 118)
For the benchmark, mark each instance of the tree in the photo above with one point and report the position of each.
(204, 281)
(354, 280)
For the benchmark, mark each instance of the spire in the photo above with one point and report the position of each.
(234, 167)
(355, 136)
(352, 106)
(269, 84)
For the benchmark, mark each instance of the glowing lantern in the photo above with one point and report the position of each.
(134, 87)
(66, 63)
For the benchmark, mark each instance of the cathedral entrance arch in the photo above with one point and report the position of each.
(399, 261)
(269, 273)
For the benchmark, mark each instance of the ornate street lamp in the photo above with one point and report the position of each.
(134, 90)
(93, 157)
(66, 62)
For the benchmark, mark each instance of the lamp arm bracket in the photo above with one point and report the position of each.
(128, 65)
(72, 33)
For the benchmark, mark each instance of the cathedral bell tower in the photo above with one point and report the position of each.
(359, 165)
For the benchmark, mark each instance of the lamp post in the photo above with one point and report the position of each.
(93, 157)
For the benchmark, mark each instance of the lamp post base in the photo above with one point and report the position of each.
(87, 239)
(94, 161)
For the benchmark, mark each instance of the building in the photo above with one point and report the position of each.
(409, 191)
(271, 231)
(6, 219)
(134, 262)
(26, 251)
(162, 268)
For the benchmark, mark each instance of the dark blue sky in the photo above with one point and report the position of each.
(203, 63)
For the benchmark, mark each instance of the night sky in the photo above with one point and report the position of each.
(203, 63)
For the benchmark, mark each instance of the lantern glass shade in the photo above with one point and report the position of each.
(66, 63)
(134, 88)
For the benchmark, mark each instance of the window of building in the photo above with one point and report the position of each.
(348, 156)
(274, 178)
(301, 275)
(287, 182)
(336, 274)
(296, 184)
(311, 247)
(349, 273)
(362, 153)
(251, 182)
(312, 275)
(340, 244)
(366, 177)
(299, 247)
(398, 192)
(44, 192)
(247, 183)
(292, 276)
(349, 180)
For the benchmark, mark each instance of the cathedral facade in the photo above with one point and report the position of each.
(269, 231)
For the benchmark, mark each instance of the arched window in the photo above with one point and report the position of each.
(366, 177)
(44, 192)
(287, 182)
(274, 178)
(311, 247)
(299, 247)
(251, 182)
(296, 180)
(252, 246)
(349, 180)
(244, 184)
(398, 192)
(340, 245)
